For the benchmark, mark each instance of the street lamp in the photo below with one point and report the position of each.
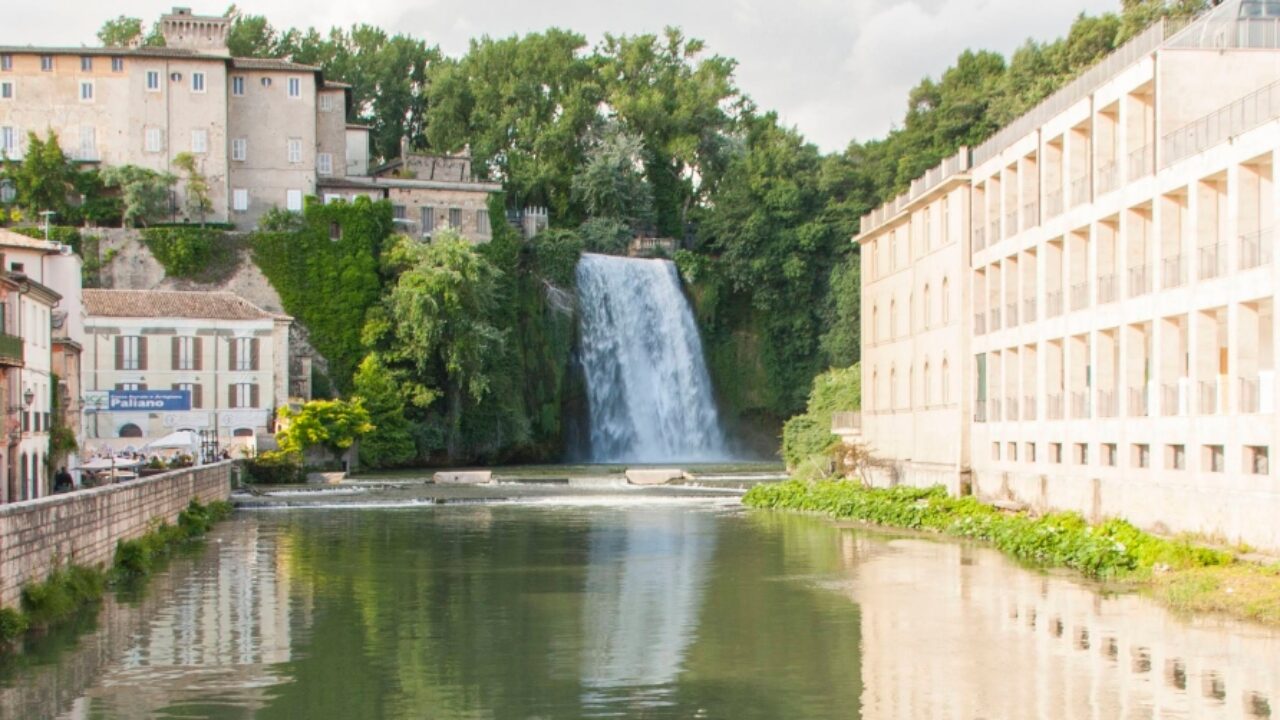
(28, 397)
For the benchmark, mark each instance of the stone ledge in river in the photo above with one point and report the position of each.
(326, 478)
(464, 477)
(653, 476)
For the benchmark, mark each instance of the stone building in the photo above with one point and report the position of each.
(1109, 322)
(229, 355)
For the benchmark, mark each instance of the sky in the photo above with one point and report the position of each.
(839, 70)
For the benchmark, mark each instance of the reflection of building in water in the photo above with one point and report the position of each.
(212, 627)
(951, 631)
(645, 581)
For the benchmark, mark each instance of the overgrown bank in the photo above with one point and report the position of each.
(1181, 574)
(71, 588)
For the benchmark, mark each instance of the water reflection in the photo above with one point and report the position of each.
(650, 612)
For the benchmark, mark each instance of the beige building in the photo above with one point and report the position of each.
(229, 355)
(1118, 329)
(263, 131)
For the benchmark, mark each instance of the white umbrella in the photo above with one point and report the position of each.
(109, 463)
(181, 440)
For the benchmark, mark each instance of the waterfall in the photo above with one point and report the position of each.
(648, 392)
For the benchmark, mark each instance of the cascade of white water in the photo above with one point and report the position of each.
(648, 392)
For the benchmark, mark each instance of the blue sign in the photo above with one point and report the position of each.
(148, 400)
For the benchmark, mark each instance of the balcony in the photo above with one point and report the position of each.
(1011, 408)
(980, 411)
(1173, 272)
(1030, 215)
(1011, 314)
(846, 423)
(1141, 162)
(1213, 399)
(1053, 303)
(1080, 409)
(1108, 288)
(979, 323)
(1053, 203)
(1174, 397)
(1080, 295)
(1213, 260)
(1011, 223)
(1080, 190)
(1029, 407)
(1029, 310)
(995, 319)
(1249, 395)
(993, 233)
(1139, 280)
(1139, 402)
(11, 351)
(1108, 405)
(1256, 249)
(979, 239)
(994, 409)
(1108, 177)
(1053, 406)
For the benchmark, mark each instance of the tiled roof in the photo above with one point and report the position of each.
(172, 303)
(336, 85)
(9, 238)
(270, 64)
(159, 52)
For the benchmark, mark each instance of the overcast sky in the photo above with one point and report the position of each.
(837, 69)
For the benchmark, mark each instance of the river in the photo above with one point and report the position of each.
(638, 608)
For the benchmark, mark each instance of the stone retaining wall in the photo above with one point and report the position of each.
(83, 526)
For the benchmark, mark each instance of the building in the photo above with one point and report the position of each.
(264, 131)
(1117, 286)
(229, 355)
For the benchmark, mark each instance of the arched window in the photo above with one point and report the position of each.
(927, 389)
(893, 388)
(928, 310)
(874, 391)
(946, 383)
(911, 387)
(875, 323)
(946, 301)
(243, 432)
(26, 477)
(130, 431)
(893, 320)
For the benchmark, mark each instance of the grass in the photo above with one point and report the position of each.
(1244, 590)
(70, 588)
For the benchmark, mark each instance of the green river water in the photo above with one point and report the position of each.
(626, 607)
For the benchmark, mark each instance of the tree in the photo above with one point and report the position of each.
(391, 443)
(251, 35)
(435, 323)
(144, 193)
(197, 186)
(334, 425)
(45, 177)
(611, 184)
(126, 31)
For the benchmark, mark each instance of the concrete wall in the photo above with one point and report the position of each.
(83, 527)
(267, 119)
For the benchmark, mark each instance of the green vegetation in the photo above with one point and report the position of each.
(196, 189)
(808, 436)
(193, 252)
(144, 193)
(276, 468)
(1113, 550)
(334, 425)
(139, 556)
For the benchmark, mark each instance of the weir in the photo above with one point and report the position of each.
(649, 394)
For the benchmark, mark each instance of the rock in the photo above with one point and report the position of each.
(464, 477)
(653, 476)
(326, 478)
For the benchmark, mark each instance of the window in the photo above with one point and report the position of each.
(1055, 453)
(8, 193)
(326, 103)
(153, 80)
(6, 62)
(1013, 451)
(86, 91)
(155, 143)
(1030, 452)
(324, 163)
(240, 200)
(995, 451)
(88, 142)
(1176, 457)
(295, 87)
(197, 82)
(1141, 455)
(428, 221)
(399, 212)
(266, 82)
(946, 301)
(117, 64)
(130, 386)
(482, 222)
(295, 150)
(17, 267)
(186, 353)
(335, 231)
(240, 149)
(199, 140)
(131, 352)
(244, 395)
(455, 218)
(1257, 459)
(1214, 459)
(9, 140)
(86, 64)
(130, 430)
(237, 85)
(197, 394)
(6, 90)
(245, 354)
(46, 63)
(293, 200)
(1082, 453)
(1109, 454)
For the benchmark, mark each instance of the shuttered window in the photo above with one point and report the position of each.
(131, 352)
(244, 354)
(185, 353)
(197, 393)
(242, 395)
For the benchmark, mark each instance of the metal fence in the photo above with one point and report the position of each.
(1248, 112)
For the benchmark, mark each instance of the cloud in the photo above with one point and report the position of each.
(837, 69)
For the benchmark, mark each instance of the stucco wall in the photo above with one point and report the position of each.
(83, 527)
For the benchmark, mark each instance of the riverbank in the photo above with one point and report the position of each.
(1183, 575)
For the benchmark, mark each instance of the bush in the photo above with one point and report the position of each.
(12, 625)
(809, 434)
(191, 251)
(61, 594)
(276, 468)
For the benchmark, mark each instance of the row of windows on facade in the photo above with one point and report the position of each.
(240, 396)
(927, 313)
(454, 219)
(185, 353)
(29, 471)
(920, 234)
(37, 323)
(1255, 459)
(875, 396)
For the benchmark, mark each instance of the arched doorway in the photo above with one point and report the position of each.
(130, 431)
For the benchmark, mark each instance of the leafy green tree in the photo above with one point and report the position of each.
(120, 32)
(251, 35)
(196, 186)
(843, 317)
(144, 193)
(391, 443)
(610, 183)
(334, 425)
(45, 178)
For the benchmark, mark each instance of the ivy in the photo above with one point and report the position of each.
(192, 252)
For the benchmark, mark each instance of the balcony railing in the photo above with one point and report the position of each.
(993, 232)
(995, 409)
(979, 239)
(1108, 288)
(1080, 190)
(1011, 314)
(1256, 249)
(1139, 402)
(995, 319)
(1011, 223)
(1108, 177)
(1053, 406)
(1030, 214)
(1053, 203)
(1213, 260)
(1108, 404)
(1249, 395)
(1011, 408)
(1140, 162)
(1080, 295)
(1173, 272)
(1174, 398)
(1080, 405)
(1213, 399)
(1029, 407)
(846, 423)
(1139, 280)
(980, 411)
(1029, 310)
(11, 351)
(1053, 303)
(979, 323)
(1250, 111)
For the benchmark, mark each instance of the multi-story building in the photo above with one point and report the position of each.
(230, 356)
(1119, 312)
(263, 131)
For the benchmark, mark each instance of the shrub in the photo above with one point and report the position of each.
(276, 468)
(61, 594)
(189, 252)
